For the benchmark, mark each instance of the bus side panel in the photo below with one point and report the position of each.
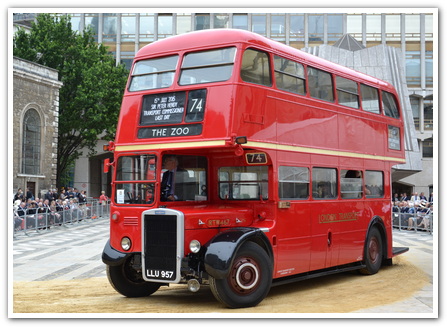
(250, 113)
(293, 239)
(353, 219)
(301, 123)
(325, 234)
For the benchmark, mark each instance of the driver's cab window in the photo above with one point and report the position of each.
(183, 178)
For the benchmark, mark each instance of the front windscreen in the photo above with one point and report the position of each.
(153, 73)
(135, 179)
(207, 66)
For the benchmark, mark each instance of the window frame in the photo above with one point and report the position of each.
(263, 77)
(341, 90)
(280, 73)
(316, 88)
(333, 183)
(282, 182)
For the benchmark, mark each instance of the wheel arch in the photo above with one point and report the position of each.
(221, 250)
(378, 222)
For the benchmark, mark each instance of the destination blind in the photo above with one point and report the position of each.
(167, 108)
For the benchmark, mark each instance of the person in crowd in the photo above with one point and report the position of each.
(103, 198)
(425, 209)
(19, 213)
(404, 197)
(19, 195)
(55, 217)
(423, 197)
(415, 197)
(29, 194)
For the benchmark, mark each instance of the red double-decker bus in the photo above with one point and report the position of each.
(242, 163)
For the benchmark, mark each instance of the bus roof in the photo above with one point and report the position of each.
(222, 37)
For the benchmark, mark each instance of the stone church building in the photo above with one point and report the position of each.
(34, 118)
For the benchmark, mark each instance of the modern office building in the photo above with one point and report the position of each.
(411, 32)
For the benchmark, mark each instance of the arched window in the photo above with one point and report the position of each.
(31, 143)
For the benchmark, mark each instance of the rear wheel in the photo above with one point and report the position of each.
(373, 253)
(249, 278)
(128, 281)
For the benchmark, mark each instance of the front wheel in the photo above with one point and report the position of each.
(128, 281)
(249, 278)
(373, 253)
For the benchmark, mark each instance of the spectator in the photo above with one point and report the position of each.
(425, 214)
(19, 213)
(29, 194)
(19, 195)
(415, 197)
(49, 196)
(404, 197)
(55, 217)
(103, 198)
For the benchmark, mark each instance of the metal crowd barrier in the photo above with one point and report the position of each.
(413, 221)
(43, 222)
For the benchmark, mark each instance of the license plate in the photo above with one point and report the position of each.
(159, 274)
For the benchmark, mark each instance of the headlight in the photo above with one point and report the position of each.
(126, 243)
(194, 246)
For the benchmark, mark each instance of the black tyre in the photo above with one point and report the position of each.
(249, 278)
(373, 252)
(129, 282)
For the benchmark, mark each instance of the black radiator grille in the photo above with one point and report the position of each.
(160, 246)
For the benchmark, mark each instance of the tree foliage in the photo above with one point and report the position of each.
(91, 94)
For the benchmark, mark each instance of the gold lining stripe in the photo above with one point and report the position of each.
(138, 147)
(321, 151)
(273, 146)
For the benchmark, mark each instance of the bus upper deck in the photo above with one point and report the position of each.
(208, 87)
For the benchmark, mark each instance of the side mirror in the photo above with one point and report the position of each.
(106, 165)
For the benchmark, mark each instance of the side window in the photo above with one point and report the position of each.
(289, 76)
(351, 184)
(256, 68)
(324, 183)
(293, 182)
(390, 105)
(243, 183)
(347, 92)
(320, 84)
(370, 99)
(374, 184)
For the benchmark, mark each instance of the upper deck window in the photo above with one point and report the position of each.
(289, 76)
(256, 67)
(370, 99)
(389, 105)
(320, 84)
(207, 66)
(153, 73)
(347, 92)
